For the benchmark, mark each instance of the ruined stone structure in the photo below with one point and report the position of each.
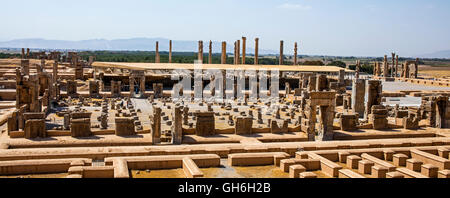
(205, 125)
(374, 90)
(125, 129)
(358, 96)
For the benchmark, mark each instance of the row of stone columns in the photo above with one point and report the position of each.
(393, 69)
(237, 52)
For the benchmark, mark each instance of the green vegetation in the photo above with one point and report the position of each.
(315, 62)
(4, 55)
(337, 63)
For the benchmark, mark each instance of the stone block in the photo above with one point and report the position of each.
(125, 127)
(379, 171)
(352, 161)
(400, 159)
(414, 164)
(365, 166)
(295, 170)
(429, 170)
(444, 174)
(308, 175)
(394, 174)
(80, 127)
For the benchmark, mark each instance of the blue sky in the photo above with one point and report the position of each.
(325, 27)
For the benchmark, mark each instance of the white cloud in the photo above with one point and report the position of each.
(294, 6)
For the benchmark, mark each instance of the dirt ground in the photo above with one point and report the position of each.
(437, 72)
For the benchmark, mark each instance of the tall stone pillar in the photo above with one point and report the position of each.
(223, 59)
(385, 67)
(28, 53)
(210, 53)
(224, 84)
(341, 79)
(142, 86)
(155, 122)
(281, 52)
(295, 53)
(358, 96)
(244, 48)
(131, 86)
(200, 51)
(177, 127)
(170, 51)
(378, 68)
(416, 68)
(235, 53)
(238, 48)
(157, 59)
(256, 50)
(394, 69)
(23, 53)
(396, 64)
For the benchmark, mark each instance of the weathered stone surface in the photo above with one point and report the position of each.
(243, 125)
(125, 127)
(205, 125)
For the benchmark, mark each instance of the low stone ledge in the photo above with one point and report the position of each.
(191, 169)
(346, 173)
(254, 159)
(327, 166)
(410, 174)
(379, 162)
(428, 158)
(19, 167)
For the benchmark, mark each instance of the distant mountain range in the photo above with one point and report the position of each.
(134, 44)
(440, 54)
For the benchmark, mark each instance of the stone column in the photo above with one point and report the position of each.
(142, 86)
(170, 51)
(177, 127)
(396, 64)
(235, 53)
(358, 96)
(244, 46)
(155, 121)
(256, 50)
(238, 48)
(28, 53)
(25, 66)
(224, 84)
(378, 66)
(393, 64)
(385, 67)
(157, 59)
(23, 53)
(295, 53)
(281, 52)
(131, 86)
(212, 85)
(416, 68)
(210, 53)
(200, 51)
(224, 53)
